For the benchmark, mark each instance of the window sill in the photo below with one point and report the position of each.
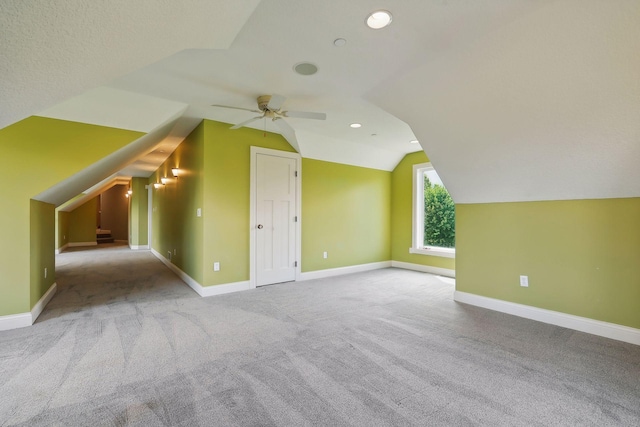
(441, 252)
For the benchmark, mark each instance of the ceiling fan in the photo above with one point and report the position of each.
(270, 106)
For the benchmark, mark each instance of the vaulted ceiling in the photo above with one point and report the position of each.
(511, 99)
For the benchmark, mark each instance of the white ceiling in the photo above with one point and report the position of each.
(488, 86)
(53, 50)
(544, 108)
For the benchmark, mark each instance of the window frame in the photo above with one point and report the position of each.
(417, 219)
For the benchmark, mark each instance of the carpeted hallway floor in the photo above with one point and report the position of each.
(125, 342)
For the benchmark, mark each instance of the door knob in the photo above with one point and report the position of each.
(259, 226)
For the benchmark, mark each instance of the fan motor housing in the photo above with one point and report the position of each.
(263, 102)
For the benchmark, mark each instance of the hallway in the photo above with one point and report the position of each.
(110, 280)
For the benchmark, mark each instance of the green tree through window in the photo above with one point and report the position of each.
(439, 216)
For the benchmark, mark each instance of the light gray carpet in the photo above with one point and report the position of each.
(124, 342)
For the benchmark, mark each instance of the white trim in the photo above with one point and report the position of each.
(139, 247)
(417, 209)
(424, 268)
(43, 301)
(77, 244)
(417, 217)
(14, 321)
(252, 207)
(203, 291)
(61, 249)
(331, 272)
(582, 324)
(22, 320)
(149, 189)
(434, 251)
(226, 288)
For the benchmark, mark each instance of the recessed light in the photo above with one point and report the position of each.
(305, 68)
(379, 19)
(339, 42)
(414, 141)
(355, 125)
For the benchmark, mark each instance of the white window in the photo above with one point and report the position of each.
(433, 214)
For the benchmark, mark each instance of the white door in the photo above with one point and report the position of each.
(275, 219)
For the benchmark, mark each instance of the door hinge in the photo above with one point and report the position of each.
(295, 219)
(295, 264)
(295, 174)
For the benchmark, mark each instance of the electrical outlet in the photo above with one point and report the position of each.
(174, 251)
(524, 281)
(216, 266)
(45, 272)
(199, 212)
(325, 255)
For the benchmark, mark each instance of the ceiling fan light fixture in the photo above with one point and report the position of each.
(379, 19)
(305, 68)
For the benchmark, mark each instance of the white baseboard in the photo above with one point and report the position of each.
(209, 291)
(76, 244)
(61, 249)
(14, 321)
(582, 324)
(424, 268)
(203, 291)
(139, 247)
(331, 272)
(21, 320)
(42, 302)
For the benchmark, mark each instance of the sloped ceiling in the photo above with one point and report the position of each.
(53, 50)
(511, 99)
(544, 108)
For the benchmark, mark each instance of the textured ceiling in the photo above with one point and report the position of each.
(52, 50)
(511, 99)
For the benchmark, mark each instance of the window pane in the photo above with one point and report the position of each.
(439, 213)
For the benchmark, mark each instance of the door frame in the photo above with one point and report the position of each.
(253, 193)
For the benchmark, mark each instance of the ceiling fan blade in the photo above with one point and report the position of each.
(275, 102)
(236, 108)
(288, 132)
(305, 115)
(246, 122)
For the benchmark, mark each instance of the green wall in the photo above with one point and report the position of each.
(62, 228)
(352, 213)
(582, 256)
(214, 164)
(139, 213)
(82, 222)
(42, 249)
(402, 219)
(345, 212)
(175, 224)
(37, 153)
(345, 209)
(226, 198)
